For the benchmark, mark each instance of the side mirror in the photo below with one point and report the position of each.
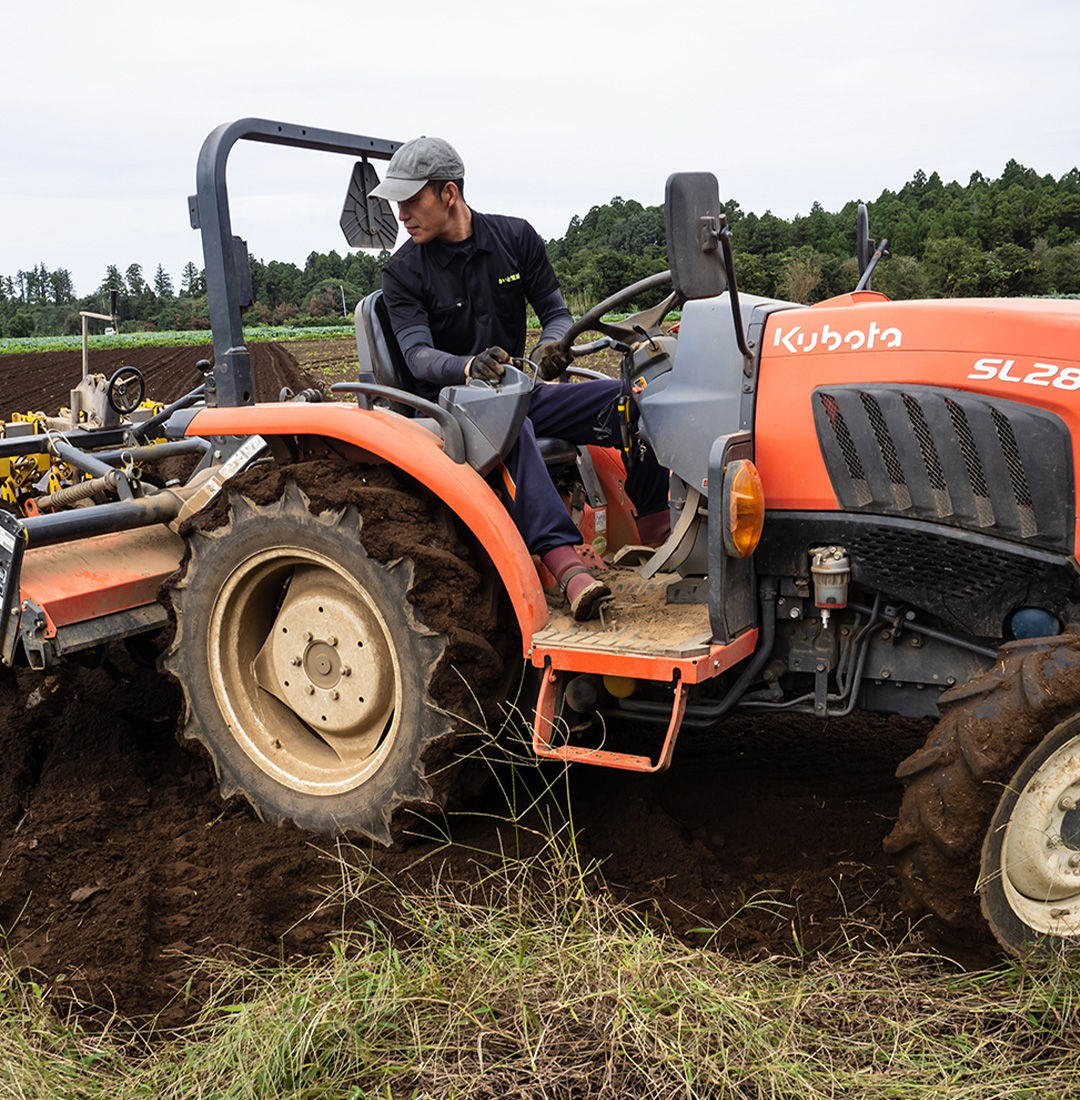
(367, 222)
(693, 221)
(864, 243)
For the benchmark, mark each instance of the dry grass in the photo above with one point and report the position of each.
(533, 981)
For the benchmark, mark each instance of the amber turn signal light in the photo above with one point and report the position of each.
(744, 508)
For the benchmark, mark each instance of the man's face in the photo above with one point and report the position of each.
(426, 216)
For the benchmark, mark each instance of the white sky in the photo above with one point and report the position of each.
(554, 108)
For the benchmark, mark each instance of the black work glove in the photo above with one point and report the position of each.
(488, 365)
(551, 360)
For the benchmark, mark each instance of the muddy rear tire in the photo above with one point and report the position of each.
(968, 795)
(305, 670)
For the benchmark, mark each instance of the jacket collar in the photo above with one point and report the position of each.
(443, 253)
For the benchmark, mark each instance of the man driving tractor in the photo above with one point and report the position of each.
(456, 293)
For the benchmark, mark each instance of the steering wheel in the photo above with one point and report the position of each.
(624, 331)
(116, 392)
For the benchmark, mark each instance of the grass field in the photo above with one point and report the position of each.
(535, 982)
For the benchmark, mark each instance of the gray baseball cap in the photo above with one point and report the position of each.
(417, 162)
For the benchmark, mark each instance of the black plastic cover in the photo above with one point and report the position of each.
(367, 222)
(692, 221)
(948, 456)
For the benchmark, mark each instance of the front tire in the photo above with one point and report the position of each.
(305, 670)
(970, 791)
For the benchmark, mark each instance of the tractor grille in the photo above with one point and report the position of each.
(966, 583)
(966, 580)
(946, 456)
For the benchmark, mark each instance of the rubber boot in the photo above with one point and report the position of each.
(584, 591)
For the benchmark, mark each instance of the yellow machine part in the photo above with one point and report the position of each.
(18, 474)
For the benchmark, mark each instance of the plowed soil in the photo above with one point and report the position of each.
(120, 864)
(43, 382)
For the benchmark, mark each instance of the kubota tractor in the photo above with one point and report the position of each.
(873, 506)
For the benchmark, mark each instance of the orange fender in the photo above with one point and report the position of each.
(404, 444)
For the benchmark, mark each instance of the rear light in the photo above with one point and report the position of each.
(744, 508)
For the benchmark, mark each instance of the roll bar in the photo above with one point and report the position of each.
(228, 271)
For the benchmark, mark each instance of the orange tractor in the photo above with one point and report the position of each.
(873, 506)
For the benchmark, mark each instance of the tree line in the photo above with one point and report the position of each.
(323, 292)
(1018, 234)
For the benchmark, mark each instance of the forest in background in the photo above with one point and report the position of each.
(1018, 234)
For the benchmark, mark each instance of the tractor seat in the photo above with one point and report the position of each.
(382, 361)
(377, 347)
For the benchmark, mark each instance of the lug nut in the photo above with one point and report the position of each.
(332, 640)
(308, 636)
(1074, 859)
(297, 661)
(333, 694)
(310, 690)
(1066, 804)
(345, 670)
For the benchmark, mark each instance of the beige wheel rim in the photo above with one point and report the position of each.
(304, 670)
(1040, 862)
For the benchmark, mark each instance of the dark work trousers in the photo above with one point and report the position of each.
(581, 413)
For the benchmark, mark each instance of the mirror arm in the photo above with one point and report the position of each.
(733, 294)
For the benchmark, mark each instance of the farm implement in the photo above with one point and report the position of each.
(873, 506)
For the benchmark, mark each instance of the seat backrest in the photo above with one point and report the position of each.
(377, 348)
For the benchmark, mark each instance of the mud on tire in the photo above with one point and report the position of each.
(309, 672)
(963, 777)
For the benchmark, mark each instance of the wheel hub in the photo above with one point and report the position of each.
(1070, 829)
(302, 664)
(322, 664)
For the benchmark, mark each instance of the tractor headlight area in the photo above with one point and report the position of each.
(743, 508)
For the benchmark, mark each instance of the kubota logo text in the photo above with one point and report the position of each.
(828, 339)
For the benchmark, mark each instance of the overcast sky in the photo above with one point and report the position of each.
(555, 107)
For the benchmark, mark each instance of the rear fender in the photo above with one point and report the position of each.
(405, 444)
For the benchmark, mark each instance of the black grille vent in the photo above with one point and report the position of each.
(984, 508)
(950, 457)
(900, 494)
(848, 450)
(931, 459)
(1017, 474)
(900, 562)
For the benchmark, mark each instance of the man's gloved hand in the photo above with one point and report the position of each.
(488, 365)
(551, 360)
